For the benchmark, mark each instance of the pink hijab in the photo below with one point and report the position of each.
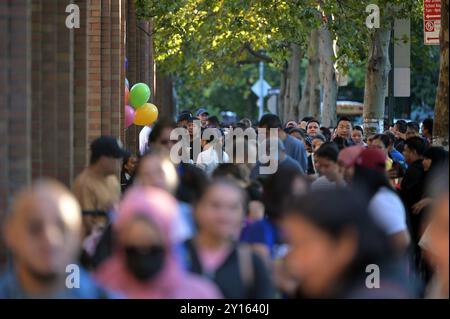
(172, 282)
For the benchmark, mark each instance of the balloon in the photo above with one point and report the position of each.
(127, 93)
(139, 94)
(146, 114)
(129, 116)
(127, 84)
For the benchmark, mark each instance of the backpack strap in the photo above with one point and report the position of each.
(246, 267)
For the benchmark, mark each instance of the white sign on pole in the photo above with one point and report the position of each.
(272, 104)
(256, 88)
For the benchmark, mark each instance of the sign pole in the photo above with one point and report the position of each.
(262, 93)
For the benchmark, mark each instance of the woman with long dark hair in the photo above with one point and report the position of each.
(384, 204)
(338, 251)
(214, 251)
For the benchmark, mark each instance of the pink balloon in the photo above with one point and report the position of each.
(129, 116)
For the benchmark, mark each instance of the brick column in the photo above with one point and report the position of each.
(65, 99)
(131, 133)
(15, 98)
(80, 141)
(15, 101)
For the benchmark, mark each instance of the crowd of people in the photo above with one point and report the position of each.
(217, 226)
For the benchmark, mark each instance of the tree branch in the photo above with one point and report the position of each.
(260, 56)
(143, 30)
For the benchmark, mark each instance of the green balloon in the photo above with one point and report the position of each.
(139, 95)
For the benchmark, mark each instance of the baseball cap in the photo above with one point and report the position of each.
(347, 156)
(193, 118)
(201, 111)
(184, 117)
(108, 146)
(372, 158)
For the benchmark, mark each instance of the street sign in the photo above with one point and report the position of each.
(431, 21)
(261, 86)
(272, 104)
(273, 91)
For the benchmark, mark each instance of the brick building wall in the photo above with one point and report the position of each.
(60, 88)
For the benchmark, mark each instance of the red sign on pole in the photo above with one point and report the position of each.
(431, 21)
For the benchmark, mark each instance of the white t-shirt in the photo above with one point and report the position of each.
(208, 160)
(143, 139)
(388, 211)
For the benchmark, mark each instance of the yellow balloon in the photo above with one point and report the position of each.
(146, 114)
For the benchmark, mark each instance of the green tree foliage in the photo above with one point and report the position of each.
(204, 43)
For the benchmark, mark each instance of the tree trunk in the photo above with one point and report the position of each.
(310, 102)
(440, 130)
(294, 82)
(290, 86)
(327, 76)
(377, 71)
(281, 97)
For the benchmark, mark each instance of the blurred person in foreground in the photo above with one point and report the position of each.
(239, 173)
(97, 189)
(413, 184)
(385, 206)
(264, 235)
(214, 251)
(144, 264)
(335, 251)
(435, 241)
(434, 159)
(156, 170)
(43, 232)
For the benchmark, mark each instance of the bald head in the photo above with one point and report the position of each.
(43, 229)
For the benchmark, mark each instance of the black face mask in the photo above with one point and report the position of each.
(145, 263)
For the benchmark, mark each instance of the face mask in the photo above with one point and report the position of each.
(144, 263)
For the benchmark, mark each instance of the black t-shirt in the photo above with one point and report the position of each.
(412, 190)
(228, 276)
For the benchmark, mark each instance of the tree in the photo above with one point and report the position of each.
(198, 41)
(310, 102)
(377, 71)
(441, 127)
(327, 77)
(290, 93)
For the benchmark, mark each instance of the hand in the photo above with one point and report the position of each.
(420, 205)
